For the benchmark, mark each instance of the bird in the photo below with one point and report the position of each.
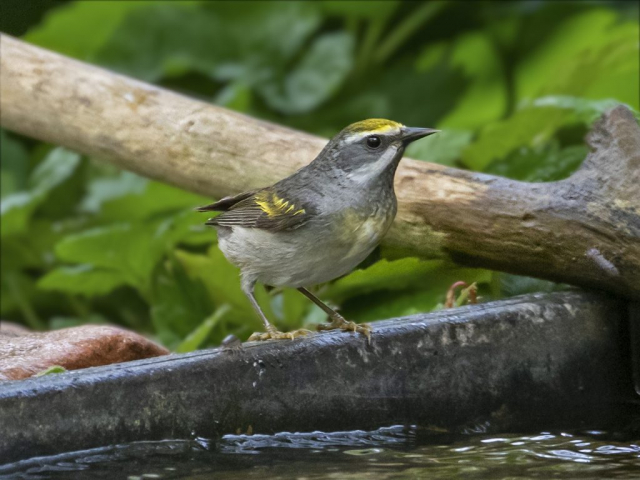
(319, 223)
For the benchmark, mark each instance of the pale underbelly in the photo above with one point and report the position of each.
(303, 257)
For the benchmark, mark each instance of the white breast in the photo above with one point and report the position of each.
(315, 256)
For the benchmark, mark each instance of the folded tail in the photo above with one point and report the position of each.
(226, 203)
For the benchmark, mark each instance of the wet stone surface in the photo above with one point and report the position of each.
(530, 362)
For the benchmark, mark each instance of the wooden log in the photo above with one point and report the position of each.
(584, 230)
(537, 360)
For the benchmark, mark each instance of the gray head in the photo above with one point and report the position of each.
(369, 149)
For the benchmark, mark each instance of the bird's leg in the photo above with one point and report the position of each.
(337, 320)
(271, 331)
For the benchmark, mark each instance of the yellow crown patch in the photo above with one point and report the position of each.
(373, 125)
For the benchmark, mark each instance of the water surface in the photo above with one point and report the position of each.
(388, 453)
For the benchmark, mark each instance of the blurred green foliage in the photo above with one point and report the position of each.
(514, 85)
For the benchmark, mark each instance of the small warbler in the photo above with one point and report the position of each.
(319, 223)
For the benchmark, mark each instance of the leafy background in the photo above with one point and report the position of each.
(514, 85)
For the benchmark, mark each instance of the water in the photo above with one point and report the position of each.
(388, 453)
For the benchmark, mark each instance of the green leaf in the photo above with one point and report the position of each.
(531, 127)
(179, 303)
(391, 305)
(403, 87)
(16, 209)
(423, 296)
(93, 22)
(17, 254)
(407, 27)
(569, 80)
(163, 39)
(18, 295)
(34, 249)
(256, 28)
(223, 40)
(56, 168)
(236, 96)
(407, 273)
(197, 337)
(372, 10)
(125, 248)
(187, 227)
(383, 275)
(130, 250)
(445, 147)
(320, 73)
(104, 189)
(543, 164)
(222, 281)
(63, 197)
(82, 279)
(512, 285)
(481, 95)
(14, 166)
(585, 110)
(52, 369)
(220, 277)
(395, 288)
(153, 200)
(592, 55)
(432, 55)
(130, 197)
(291, 308)
(485, 98)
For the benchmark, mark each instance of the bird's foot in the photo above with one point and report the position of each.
(273, 334)
(339, 323)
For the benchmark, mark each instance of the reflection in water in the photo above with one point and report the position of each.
(388, 453)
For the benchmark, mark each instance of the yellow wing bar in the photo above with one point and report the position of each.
(273, 205)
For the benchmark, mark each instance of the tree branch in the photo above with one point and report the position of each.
(584, 230)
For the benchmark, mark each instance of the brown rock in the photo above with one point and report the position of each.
(25, 354)
(12, 329)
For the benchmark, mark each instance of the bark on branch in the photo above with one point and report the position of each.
(584, 230)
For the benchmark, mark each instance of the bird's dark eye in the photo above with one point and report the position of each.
(373, 141)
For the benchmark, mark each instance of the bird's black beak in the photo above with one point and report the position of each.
(411, 134)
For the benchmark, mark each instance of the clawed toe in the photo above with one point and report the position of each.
(277, 335)
(342, 324)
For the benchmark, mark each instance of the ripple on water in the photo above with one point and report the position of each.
(387, 453)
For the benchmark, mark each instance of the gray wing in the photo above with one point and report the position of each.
(265, 209)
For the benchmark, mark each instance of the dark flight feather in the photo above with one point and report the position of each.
(263, 209)
(225, 203)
